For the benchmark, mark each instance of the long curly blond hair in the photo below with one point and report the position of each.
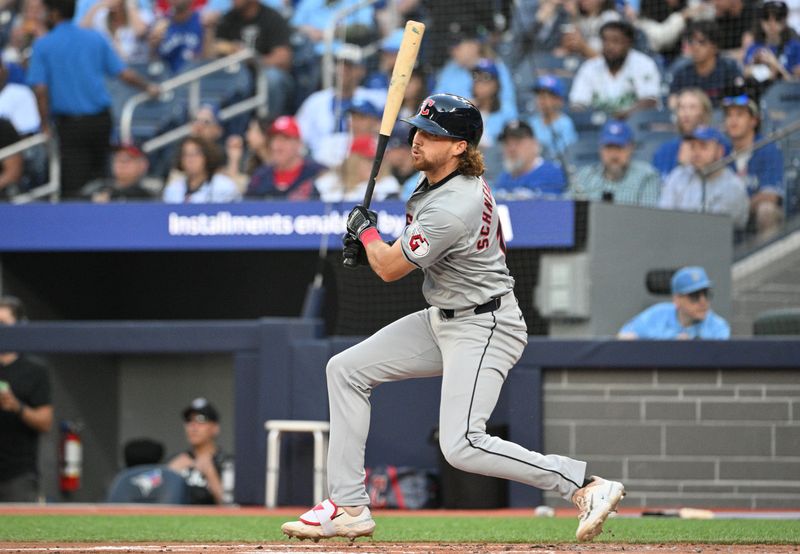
(471, 162)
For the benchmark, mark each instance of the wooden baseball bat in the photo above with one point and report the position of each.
(403, 66)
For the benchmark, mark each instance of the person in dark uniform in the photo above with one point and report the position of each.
(26, 411)
(207, 470)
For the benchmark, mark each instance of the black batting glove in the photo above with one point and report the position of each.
(354, 250)
(361, 219)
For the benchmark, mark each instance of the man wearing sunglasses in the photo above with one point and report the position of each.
(688, 316)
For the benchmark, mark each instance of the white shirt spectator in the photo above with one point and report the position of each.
(329, 186)
(595, 87)
(220, 188)
(317, 120)
(18, 104)
(725, 194)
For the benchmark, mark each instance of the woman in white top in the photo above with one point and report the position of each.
(348, 182)
(199, 181)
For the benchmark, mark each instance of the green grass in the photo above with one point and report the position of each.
(200, 528)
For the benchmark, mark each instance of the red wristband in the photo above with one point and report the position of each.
(369, 236)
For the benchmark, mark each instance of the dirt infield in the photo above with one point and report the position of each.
(367, 547)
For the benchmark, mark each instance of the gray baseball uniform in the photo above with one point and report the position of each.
(472, 335)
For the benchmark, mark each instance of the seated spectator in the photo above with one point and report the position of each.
(365, 119)
(349, 182)
(128, 169)
(198, 162)
(445, 18)
(312, 17)
(715, 74)
(11, 168)
(553, 129)
(526, 174)
(18, 104)
(390, 46)
(537, 27)
(620, 81)
(618, 177)
(399, 161)
(583, 37)
(416, 92)
(486, 95)
(253, 25)
(663, 23)
(179, 37)
(124, 24)
(692, 109)
(28, 25)
(207, 470)
(455, 77)
(288, 175)
(722, 192)
(206, 125)
(761, 170)
(325, 112)
(775, 52)
(735, 19)
(688, 316)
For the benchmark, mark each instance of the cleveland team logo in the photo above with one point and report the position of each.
(417, 241)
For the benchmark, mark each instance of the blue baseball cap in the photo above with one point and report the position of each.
(690, 279)
(617, 133)
(551, 84)
(365, 107)
(485, 65)
(392, 41)
(708, 133)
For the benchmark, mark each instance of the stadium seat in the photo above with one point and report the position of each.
(781, 103)
(584, 152)
(223, 88)
(647, 121)
(587, 121)
(782, 321)
(547, 63)
(149, 484)
(155, 116)
(648, 142)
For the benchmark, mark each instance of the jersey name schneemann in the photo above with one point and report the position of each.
(486, 217)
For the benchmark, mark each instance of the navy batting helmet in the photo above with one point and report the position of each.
(448, 115)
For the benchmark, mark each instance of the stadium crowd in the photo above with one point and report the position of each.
(626, 101)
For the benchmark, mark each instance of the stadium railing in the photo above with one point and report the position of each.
(191, 79)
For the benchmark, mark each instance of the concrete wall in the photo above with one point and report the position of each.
(153, 390)
(678, 437)
(117, 398)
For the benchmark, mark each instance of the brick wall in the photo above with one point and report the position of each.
(678, 437)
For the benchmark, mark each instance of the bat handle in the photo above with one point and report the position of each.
(350, 263)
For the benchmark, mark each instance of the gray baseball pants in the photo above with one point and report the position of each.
(473, 353)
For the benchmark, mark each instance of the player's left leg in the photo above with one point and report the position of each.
(477, 352)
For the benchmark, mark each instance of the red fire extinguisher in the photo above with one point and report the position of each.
(70, 457)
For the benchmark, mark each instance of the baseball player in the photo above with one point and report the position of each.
(472, 334)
